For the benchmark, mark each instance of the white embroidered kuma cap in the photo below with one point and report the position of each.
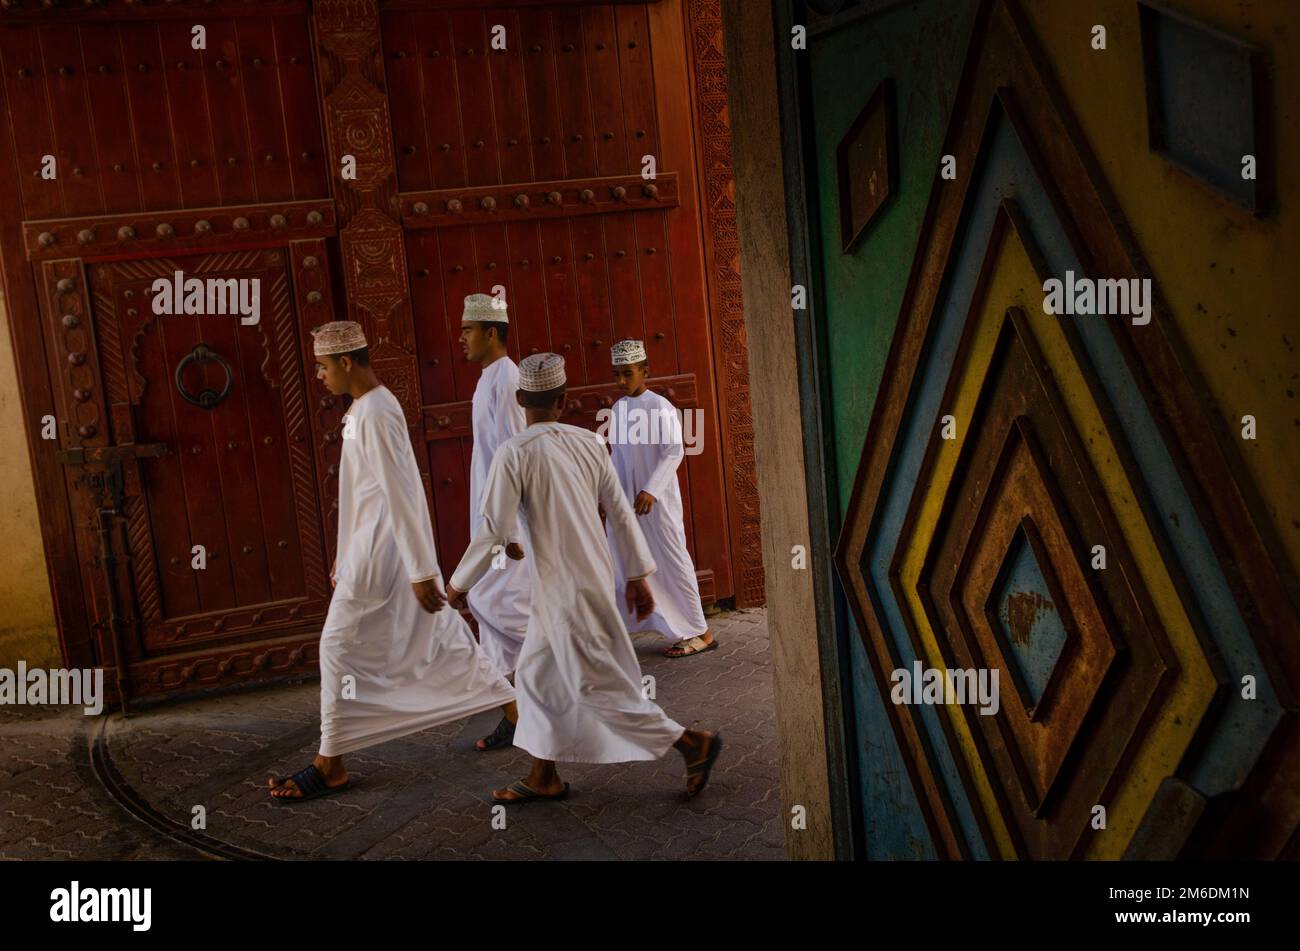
(627, 351)
(338, 336)
(540, 372)
(484, 308)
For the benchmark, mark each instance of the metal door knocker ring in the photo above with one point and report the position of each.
(207, 399)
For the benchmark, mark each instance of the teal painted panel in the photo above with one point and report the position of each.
(1030, 627)
(921, 47)
(892, 820)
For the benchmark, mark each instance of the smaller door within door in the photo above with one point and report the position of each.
(224, 534)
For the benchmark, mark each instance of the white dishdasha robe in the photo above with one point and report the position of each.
(500, 601)
(578, 683)
(410, 670)
(645, 437)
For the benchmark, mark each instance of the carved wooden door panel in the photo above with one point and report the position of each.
(208, 160)
(521, 168)
(224, 531)
(1046, 522)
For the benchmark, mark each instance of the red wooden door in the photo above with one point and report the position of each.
(521, 136)
(169, 157)
(224, 538)
(474, 166)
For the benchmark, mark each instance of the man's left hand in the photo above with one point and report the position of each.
(644, 503)
(456, 597)
(429, 595)
(640, 598)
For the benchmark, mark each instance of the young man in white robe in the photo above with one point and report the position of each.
(645, 438)
(578, 683)
(499, 602)
(392, 661)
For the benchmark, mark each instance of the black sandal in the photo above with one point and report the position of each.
(503, 735)
(703, 767)
(311, 783)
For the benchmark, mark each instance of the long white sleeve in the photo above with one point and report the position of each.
(500, 508)
(508, 417)
(386, 445)
(668, 451)
(632, 547)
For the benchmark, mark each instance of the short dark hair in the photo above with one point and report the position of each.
(502, 328)
(360, 357)
(543, 399)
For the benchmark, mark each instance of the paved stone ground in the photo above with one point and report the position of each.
(426, 796)
(51, 805)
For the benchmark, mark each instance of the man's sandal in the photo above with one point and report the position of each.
(503, 735)
(311, 783)
(703, 767)
(525, 793)
(690, 647)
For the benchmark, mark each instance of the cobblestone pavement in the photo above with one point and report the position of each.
(51, 805)
(426, 796)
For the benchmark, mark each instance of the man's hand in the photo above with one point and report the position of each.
(429, 595)
(640, 598)
(515, 551)
(644, 503)
(456, 597)
(333, 580)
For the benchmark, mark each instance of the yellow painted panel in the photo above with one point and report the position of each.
(1227, 277)
(1015, 283)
